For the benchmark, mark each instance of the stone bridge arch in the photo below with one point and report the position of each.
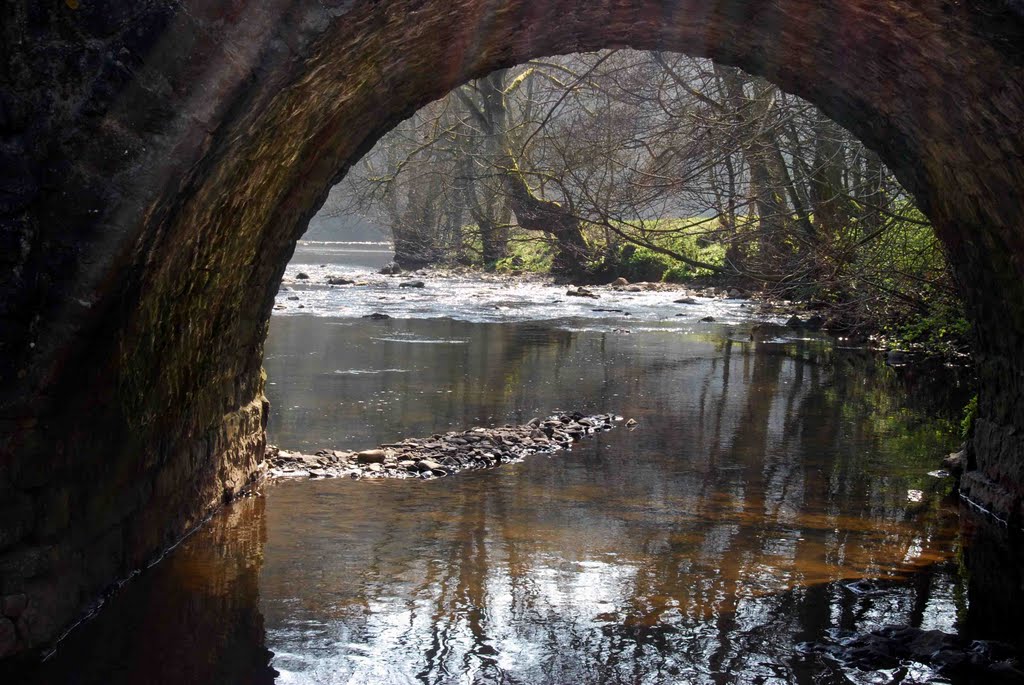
(159, 160)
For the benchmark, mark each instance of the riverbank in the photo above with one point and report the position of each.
(442, 455)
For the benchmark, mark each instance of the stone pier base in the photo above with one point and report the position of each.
(81, 529)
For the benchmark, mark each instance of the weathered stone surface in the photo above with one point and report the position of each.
(371, 456)
(12, 606)
(17, 517)
(8, 636)
(427, 465)
(159, 160)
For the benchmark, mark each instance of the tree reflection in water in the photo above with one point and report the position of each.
(192, 618)
(761, 502)
(763, 481)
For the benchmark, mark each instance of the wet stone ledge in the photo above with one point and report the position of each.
(442, 455)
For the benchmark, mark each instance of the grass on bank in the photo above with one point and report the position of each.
(894, 283)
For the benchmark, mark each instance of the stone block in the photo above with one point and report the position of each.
(17, 517)
(54, 515)
(8, 637)
(20, 563)
(12, 606)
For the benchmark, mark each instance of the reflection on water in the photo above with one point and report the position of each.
(763, 481)
(761, 502)
(193, 618)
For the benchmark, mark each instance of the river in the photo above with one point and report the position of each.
(773, 492)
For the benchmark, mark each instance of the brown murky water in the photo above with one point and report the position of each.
(761, 502)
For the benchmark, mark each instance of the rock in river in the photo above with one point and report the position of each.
(441, 455)
(339, 280)
(371, 456)
(427, 465)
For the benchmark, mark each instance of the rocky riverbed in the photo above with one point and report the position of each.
(442, 455)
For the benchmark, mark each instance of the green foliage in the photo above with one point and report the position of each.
(941, 329)
(918, 307)
(639, 263)
(528, 253)
(967, 422)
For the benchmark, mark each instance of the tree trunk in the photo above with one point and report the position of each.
(534, 214)
(758, 146)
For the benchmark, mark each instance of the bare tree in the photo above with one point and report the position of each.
(597, 155)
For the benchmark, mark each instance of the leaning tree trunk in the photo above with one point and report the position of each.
(534, 214)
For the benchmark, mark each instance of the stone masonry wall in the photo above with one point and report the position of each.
(159, 159)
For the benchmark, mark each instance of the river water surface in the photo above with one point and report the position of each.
(772, 493)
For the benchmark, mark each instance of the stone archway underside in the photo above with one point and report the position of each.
(159, 159)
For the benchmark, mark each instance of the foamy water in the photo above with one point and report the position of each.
(483, 298)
